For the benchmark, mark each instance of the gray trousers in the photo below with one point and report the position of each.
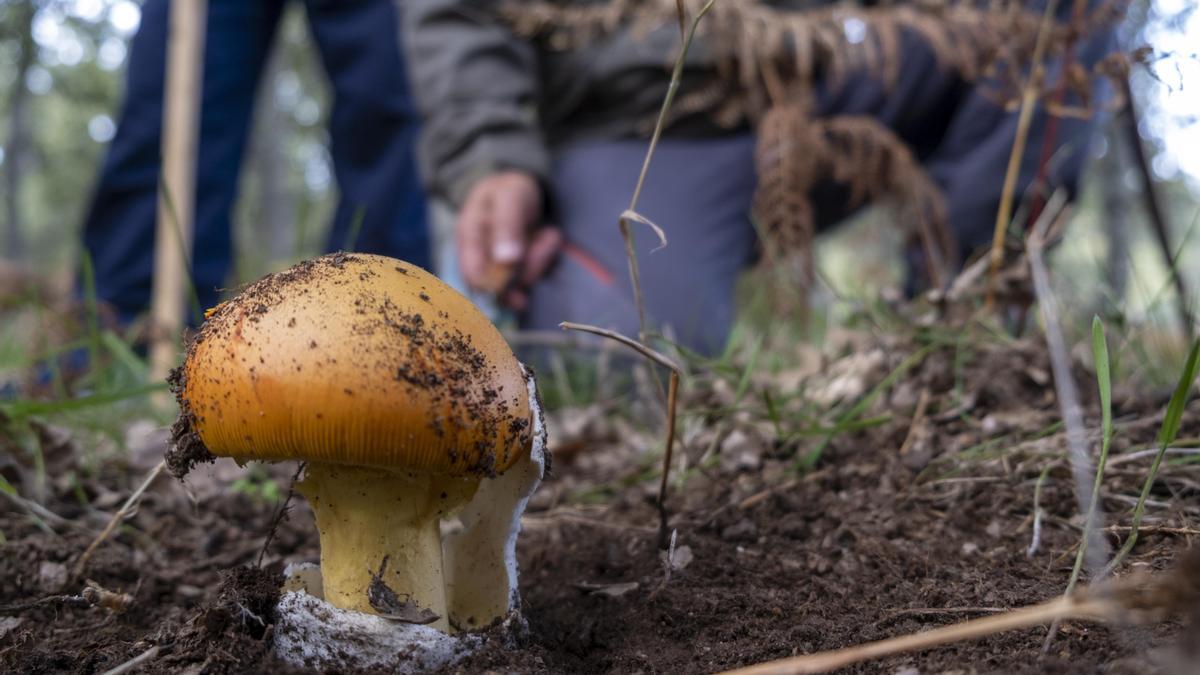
(698, 190)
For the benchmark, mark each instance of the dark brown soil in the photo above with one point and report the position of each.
(873, 543)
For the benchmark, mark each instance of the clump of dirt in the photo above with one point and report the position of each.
(230, 632)
(185, 449)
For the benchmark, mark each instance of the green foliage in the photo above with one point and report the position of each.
(258, 485)
(1166, 435)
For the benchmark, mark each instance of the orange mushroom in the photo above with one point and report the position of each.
(401, 397)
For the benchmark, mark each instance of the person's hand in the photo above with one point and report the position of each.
(501, 248)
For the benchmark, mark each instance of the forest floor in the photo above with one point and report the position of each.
(923, 513)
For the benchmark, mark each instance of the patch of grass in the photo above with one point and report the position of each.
(845, 420)
(1172, 419)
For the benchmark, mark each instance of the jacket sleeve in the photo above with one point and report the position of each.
(476, 85)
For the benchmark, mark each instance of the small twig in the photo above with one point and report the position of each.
(672, 404)
(41, 515)
(280, 514)
(638, 347)
(1150, 452)
(93, 595)
(1160, 529)
(1039, 513)
(136, 661)
(762, 496)
(1029, 99)
(120, 515)
(935, 611)
(918, 421)
(68, 600)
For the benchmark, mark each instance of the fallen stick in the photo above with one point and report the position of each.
(672, 404)
(120, 515)
(1037, 615)
(134, 662)
(177, 187)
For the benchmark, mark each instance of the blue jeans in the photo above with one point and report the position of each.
(373, 129)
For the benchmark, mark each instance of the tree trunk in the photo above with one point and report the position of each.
(18, 134)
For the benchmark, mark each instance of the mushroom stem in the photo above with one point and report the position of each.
(365, 516)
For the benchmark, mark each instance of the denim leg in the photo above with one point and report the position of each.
(373, 129)
(118, 231)
(237, 46)
(120, 226)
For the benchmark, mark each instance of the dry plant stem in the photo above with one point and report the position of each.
(1060, 93)
(672, 88)
(1093, 547)
(1028, 103)
(672, 401)
(638, 347)
(132, 664)
(1129, 124)
(1064, 383)
(180, 136)
(283, 509)
(120, 515)
(822, 662)
(1089, 522)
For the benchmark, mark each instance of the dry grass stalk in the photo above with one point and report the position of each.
(1095, 548)
(126, 509)
(1135, 599)
(672, 405)
(1007, 196)
(135, 663)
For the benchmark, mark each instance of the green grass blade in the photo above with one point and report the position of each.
(7, 487)
(744, 381)
(24, 409)
(1166, 436)
(91, 305)
(356, 223)
(122, 354)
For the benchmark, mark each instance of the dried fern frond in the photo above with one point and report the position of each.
(766, 45)
(787, 160)
(796, 152)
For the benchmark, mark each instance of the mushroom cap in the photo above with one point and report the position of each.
(360, 360)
